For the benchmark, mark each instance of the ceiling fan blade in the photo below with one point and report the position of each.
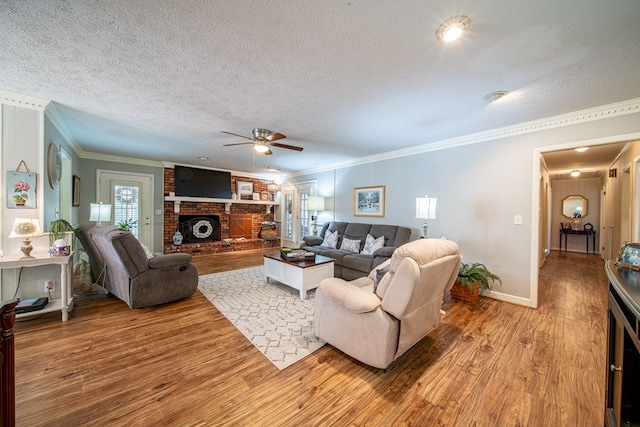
(276, 136)
(235, 134)
(288, 147)
(238, 143)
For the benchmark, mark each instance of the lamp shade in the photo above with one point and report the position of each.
(100, 212)
(273, 187)
(315, 203)
(26, 228)
(426, 207)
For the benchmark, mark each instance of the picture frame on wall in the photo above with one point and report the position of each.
(21, 190)
(369, 201)
(75, 199)
(244, 189)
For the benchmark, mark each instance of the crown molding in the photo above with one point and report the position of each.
(119, 159)
(568, 119)
(24, 101)
(53, 114)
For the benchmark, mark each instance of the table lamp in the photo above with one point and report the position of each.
(315, 204)
(25, 229)
(100, 212)
(426, 210)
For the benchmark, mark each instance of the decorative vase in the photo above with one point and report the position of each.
(465, 294)
(177, 238)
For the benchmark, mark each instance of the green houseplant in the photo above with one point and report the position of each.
(473, 279)
(57, 230)
(127, 224)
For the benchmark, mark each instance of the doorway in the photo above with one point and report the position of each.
(296, 218)
(131, 198)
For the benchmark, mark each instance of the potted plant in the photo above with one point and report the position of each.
(127, 224)
(58, 228)
(473, 279)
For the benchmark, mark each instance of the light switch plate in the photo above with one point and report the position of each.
(517, 219)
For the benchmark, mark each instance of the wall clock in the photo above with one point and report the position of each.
(54, 163)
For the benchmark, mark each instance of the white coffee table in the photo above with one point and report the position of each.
(300, 275)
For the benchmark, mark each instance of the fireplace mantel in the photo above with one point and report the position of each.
(227, 202)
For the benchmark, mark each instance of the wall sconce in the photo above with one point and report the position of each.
(25, 229)
(100, 212)
(315, 204)
(426, 210)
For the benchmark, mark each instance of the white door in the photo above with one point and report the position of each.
(296, 219)
(131, 198)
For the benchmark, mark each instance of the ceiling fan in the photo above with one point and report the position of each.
(263, 140)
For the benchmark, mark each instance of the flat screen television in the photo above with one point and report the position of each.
(194, 182)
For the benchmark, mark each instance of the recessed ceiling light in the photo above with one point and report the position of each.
(452, 28)
(581, 149)
(575, 173)
(203, 158)
(494, 96)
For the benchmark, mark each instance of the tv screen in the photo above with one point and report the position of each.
(195, 182)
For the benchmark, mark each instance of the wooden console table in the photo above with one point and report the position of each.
(586, 233)
(65, 303)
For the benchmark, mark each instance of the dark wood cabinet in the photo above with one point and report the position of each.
(7, 361)
(623, 352)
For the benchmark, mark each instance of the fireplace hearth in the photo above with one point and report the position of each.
(199, 228)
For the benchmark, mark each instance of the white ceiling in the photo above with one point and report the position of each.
(159, 80)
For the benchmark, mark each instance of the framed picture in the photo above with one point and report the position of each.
(368, 201)
(76, 191)
(244, 188)
(21, 190)
(256, 196)
(629, 256)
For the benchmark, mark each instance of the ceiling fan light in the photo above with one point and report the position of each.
(261, 148)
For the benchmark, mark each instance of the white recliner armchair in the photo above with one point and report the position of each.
(378, 326)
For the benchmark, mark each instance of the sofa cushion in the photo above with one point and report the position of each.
(330, 240)
(350, 245)
(372, 244)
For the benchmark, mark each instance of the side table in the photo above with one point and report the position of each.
(65, 303)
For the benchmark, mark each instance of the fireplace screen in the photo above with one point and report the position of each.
(196, 228)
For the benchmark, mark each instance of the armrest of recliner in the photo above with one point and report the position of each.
(169, 260)
(313, 240)
(349, 296)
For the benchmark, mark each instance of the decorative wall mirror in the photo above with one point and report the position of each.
(575, 207)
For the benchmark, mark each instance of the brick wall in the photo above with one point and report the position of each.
(258, 215)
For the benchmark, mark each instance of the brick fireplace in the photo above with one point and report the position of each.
(240, 226)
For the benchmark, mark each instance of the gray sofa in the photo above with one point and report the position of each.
(120, 264)
(350, 265)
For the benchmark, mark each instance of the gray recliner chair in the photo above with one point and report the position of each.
(376, 326)
(120, 264)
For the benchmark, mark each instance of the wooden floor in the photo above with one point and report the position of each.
(184, 364)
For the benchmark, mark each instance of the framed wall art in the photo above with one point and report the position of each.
(368, 201)
(75, 201)
(244, 189)
(21, 190)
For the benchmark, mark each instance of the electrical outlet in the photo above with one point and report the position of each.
(50, 286)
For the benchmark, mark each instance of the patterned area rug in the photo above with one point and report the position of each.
(271, 315)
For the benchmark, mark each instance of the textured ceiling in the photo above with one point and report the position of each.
(344, 79)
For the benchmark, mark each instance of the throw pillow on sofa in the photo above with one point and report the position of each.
(371, 245)
(330, 239)
(350, 245)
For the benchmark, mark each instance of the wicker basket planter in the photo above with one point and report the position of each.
(465, 294)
